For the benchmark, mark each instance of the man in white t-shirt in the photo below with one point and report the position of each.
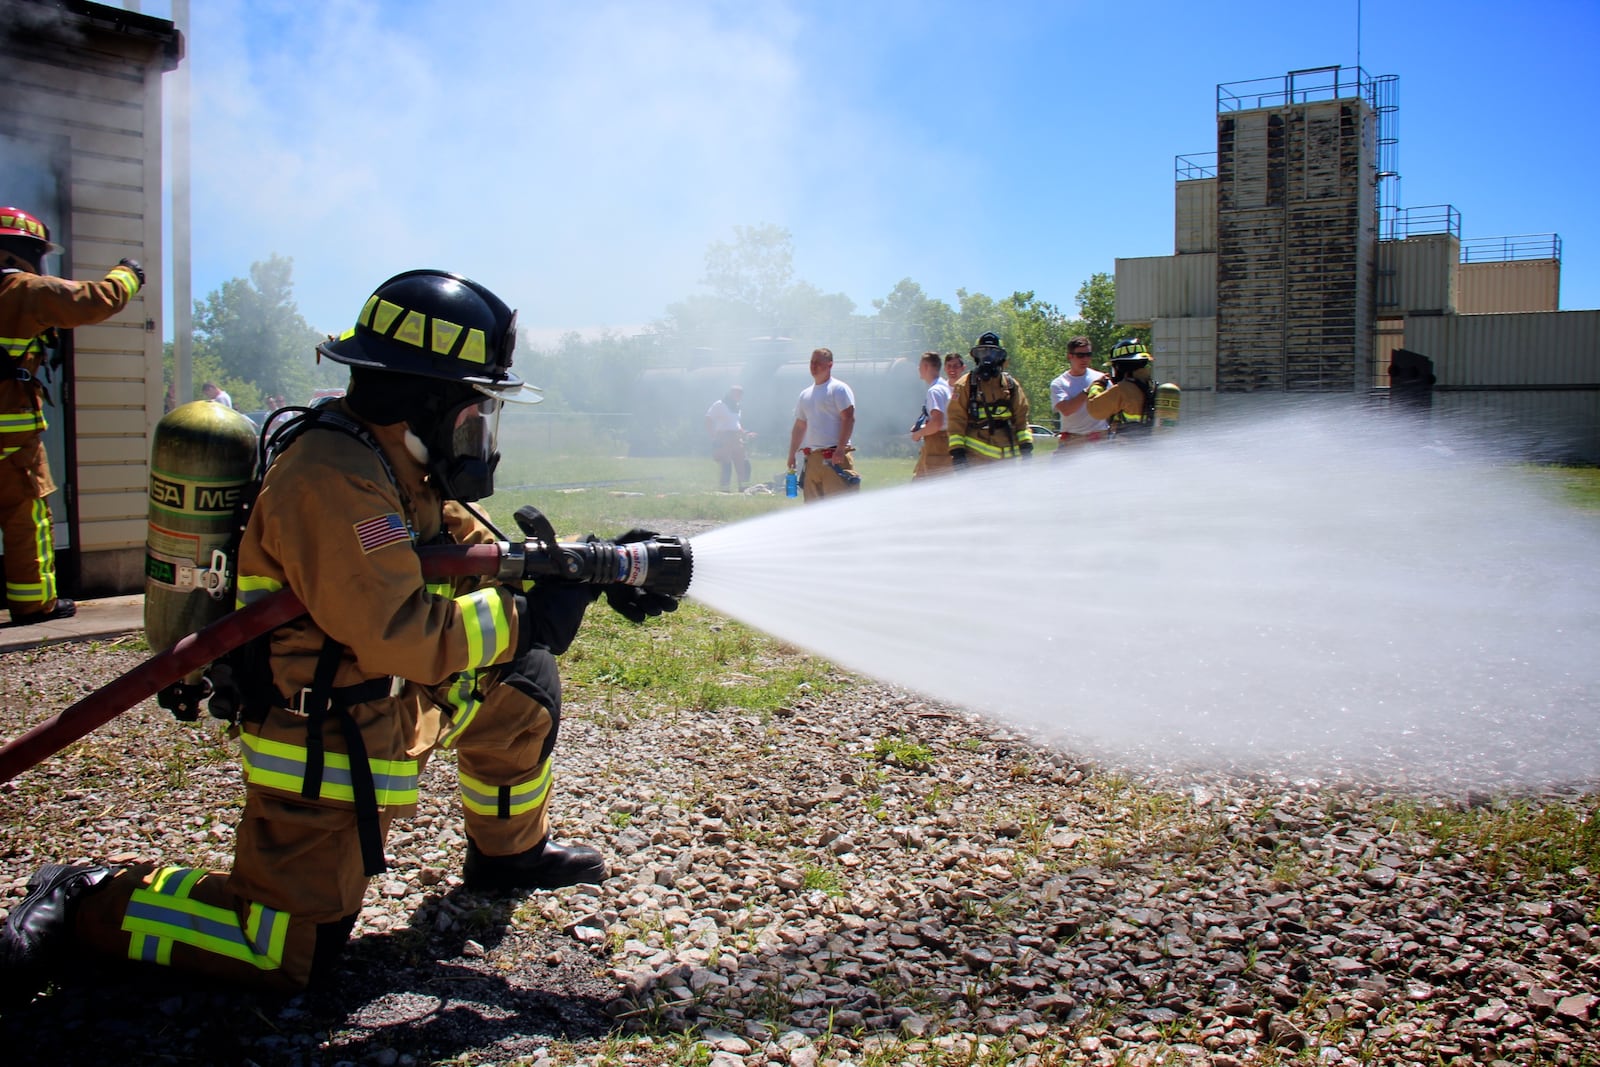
(824, 419)
(214, 393)
(1070, 391)
(931, 428)
(727, 438)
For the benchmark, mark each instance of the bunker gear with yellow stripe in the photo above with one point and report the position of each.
(989, 418)
(384, 668)
(31, 307)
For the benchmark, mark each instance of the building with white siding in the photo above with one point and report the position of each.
(80, 147)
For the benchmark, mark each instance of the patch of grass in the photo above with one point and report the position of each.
(1526, 838)
(824, 878)
(690, 660)
(1580, 485)
(904, 752)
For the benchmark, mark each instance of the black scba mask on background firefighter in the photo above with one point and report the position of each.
(989, 356)
(447, 328)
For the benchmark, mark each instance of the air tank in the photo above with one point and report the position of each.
(202, 457)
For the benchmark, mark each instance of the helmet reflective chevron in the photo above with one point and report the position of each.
(25, 234)
(434, 324)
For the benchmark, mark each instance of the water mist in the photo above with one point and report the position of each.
(1312, 593)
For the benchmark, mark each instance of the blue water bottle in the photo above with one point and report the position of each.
(791, 484)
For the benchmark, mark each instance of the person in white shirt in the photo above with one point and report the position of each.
(727, 438)
(214, 393)
(824, 419)
(930, 428)
(1070, 391)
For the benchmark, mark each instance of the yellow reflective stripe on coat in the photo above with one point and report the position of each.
(125, 278)
(981, 447)
(280, 765)
(22, 422)
(461, 701)
(18, 347)
(252, 588)
(163, 914)
(504, 801)
(488, 630)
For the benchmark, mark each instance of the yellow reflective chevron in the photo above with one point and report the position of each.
(252, 588)
(280, 765)
(462, 701)
(163, 914)
(504, 801)
(488, 630)
(439, 337)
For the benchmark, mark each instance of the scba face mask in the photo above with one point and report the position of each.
(465, 451)
(990, 359)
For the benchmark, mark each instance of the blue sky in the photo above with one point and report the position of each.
(578, 159)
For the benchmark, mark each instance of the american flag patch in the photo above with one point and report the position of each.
(383, 530)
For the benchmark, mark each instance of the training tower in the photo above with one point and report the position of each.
(1297, 271)
(1297, 231)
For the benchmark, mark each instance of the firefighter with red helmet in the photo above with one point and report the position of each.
(343, 706)
(988, 416)
(33, 306)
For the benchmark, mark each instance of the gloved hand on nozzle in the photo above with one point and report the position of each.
(549, 614)
(630, 601)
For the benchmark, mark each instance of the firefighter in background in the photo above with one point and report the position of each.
(1132, 404)
(988, 410)
(33, 306)
(383, 668)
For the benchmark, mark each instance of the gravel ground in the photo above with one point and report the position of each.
(860, 878)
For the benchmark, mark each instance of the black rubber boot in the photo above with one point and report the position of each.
(547, 865)
(64, 609)
(39, 928)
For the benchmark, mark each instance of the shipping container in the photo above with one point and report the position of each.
(1419, 274)
(1157, 287)
(1533, 350)
(1195, 215)
(1185, 352)
(1505, 288)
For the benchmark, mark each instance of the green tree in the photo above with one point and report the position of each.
(911, 313)
(250, 338)
(756, 270)
(1097, 313)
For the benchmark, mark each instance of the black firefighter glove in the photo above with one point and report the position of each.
(1027, 449)
(958, 458)
(133, 265)
(632, 602)
(549, 614)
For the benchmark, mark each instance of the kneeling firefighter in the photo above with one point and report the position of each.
(340, 709)
(1132, 404)
(988, 414)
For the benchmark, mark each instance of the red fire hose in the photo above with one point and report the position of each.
(195, 651)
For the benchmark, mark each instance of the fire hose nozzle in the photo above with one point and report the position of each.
(661, 564)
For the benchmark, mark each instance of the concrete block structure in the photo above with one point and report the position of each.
(1297, 271)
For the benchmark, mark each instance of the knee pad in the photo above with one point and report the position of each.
(534, 675)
